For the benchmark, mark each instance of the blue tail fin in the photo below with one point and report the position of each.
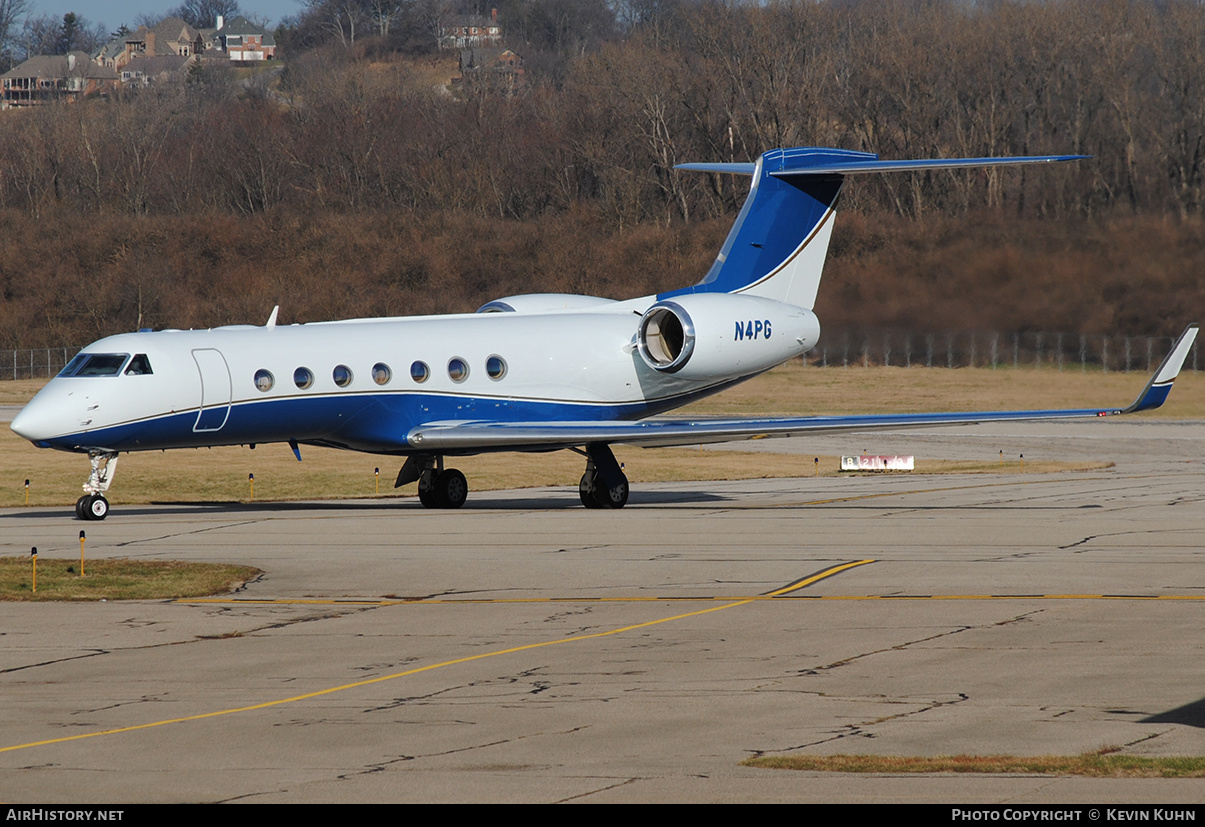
(776, 248)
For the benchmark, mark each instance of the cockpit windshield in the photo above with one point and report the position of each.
(95, 364)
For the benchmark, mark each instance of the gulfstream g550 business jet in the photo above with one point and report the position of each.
(524, 373)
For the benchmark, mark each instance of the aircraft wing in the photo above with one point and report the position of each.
(472, 437)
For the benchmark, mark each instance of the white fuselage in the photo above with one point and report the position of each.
(236, 385)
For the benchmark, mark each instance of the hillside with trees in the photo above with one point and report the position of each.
(356, 178)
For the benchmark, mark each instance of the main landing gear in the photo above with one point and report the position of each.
(93, 505)
(604, 484)
(438, 487)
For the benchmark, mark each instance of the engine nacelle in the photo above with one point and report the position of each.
(715, 335)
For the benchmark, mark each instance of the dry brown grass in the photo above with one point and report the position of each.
(794, 389)
(117, 579)
(1103, 764)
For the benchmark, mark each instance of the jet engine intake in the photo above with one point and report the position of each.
(706, 335)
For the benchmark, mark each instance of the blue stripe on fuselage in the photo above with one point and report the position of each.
(375, 422)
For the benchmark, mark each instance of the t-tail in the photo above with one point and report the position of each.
(777, 246)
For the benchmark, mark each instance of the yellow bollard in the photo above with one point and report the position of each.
(1022, 462)
(817, 461)
(1002, 456)
(251, 482)
(33, 552)
(81, 554)
(377, 471)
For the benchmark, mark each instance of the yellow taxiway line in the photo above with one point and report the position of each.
(799, 584)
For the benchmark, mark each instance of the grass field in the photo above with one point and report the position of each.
(1103, 764)
(59, 579)
(220, 474)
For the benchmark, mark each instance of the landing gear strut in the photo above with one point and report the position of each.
(438, 487)
(93, 505)
(604, 484)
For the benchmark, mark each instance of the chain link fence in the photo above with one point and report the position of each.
(39, 363)
(987, 349)
(857, 348)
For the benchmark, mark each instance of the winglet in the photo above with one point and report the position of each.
(1157, 389)
(272, 319)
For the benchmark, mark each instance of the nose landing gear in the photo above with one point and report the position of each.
(93, 505)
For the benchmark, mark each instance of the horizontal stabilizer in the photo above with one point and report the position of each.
(789, 163)
(920, 165)
(735, 169)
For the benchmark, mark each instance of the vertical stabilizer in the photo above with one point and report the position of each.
(776, 248)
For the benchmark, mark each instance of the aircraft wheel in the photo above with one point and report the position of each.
(616, 497)
(81, 508)
(451, 488)
(97, 507)
(585, 490)
(426, 496)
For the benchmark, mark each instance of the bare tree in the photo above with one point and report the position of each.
(203, 14)
(10, 10)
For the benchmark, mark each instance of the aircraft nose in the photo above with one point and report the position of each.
(49, 414)
(25, 424)
(30, 422)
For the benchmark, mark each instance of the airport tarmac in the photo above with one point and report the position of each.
(526, 649)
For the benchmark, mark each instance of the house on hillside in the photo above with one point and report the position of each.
(241, 39)
(468, 31)
(498, 69)
(147, 71)
(47, 78)
(108, 54)
(170, 36)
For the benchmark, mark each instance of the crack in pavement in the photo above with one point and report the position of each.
(125, 543)
(378, 766)
(896, 648)
(55, 661)
(862, 731)
(599, 790)
(143, 700)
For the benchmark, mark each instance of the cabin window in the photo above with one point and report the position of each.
(342, 375)
(139, 366)
(303, 378)
(419, 372)
(458, 369)
(381, 374)
(495, 366)
(264, 380)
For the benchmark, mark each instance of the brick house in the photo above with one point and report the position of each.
(470, 31)
(243, 40)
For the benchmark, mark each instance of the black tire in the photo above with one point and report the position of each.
(615, 497)
(451, 488)
(98, 507)
(426, 495)
(585, 490)
(81, 508)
